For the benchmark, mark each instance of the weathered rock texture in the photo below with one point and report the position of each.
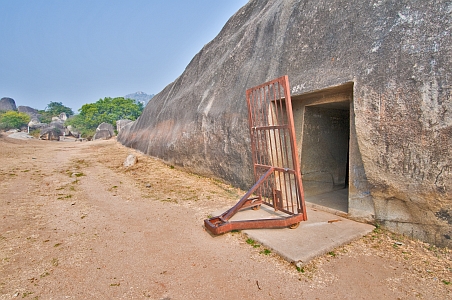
(394, 58)
(106, 126)
(120, 124)
(28, 110)
(52, 131)
(102, 135)
(104, 131)
(7, 104)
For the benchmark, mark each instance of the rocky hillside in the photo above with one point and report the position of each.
(141, 97)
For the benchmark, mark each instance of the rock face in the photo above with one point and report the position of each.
(106, 126)
(34, 123)
(104, 131)
(28, 110)
(52, 131)
(120, 124)
(102, 135)
(376, 70)
(7, 104)
(69, 130)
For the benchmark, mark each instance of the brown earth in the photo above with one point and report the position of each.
(76, 224)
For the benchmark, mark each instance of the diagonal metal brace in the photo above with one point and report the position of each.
(221, 224)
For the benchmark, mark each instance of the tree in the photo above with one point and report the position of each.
(107, 110)
(13, 120)
(56, 108)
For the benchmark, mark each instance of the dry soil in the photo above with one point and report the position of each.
(76, 224)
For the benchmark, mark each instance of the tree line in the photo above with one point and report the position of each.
(89, 116)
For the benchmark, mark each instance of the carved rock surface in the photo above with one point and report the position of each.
(396, 54)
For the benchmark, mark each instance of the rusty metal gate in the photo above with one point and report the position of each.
(275, 159)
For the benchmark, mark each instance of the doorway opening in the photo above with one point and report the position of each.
(323, 134)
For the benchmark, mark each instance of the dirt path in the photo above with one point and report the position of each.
(75, 224)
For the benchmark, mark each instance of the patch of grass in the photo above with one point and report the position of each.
(55, 262)
(115, 284)
(266, 252)
(300, 269)
(57, 245)
(332, 253)
(250, 241)
(26, 294)
(445, 282)
(81, 162)
(377, 228)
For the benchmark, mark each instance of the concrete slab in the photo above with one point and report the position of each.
(322, 233)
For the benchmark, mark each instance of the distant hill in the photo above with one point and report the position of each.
(140, 97)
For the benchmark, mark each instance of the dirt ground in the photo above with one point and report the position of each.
(76, 224)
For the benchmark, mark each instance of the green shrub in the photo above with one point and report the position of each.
(13, 120)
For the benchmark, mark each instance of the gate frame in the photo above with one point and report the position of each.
(264, 122)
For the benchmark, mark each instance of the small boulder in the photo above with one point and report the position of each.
(36, 124)
(50, 133)
(102, 135)
(130, 160)
(7, 104)
(72, 131)
(53, 131)
(63, 116)
(106, 126)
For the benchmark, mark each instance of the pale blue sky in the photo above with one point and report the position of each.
(78, 51)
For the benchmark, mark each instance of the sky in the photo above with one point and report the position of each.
(79, 51)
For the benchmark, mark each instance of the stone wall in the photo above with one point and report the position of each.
(397, 55)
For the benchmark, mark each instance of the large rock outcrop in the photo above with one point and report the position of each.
(389, 59)
(28, 110)
(7, 104)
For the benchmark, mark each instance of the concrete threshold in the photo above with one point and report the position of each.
(320, 234)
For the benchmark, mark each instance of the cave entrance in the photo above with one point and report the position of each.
(323, 126)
